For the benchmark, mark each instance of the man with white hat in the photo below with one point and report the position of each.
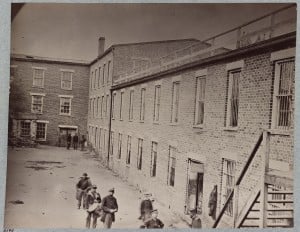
(110, 207)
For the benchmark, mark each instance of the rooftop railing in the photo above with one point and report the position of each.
(279, 22)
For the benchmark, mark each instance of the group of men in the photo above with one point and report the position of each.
(75, 141)
(105, 209)
(90, 199)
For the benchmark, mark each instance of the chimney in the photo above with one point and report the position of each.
(101, 43)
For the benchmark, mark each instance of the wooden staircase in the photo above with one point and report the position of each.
(271, 204)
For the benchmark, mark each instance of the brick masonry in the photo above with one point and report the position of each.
(23, 81)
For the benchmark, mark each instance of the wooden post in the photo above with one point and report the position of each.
(264, 186)
(235, 205)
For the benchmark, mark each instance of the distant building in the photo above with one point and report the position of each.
(48, 99)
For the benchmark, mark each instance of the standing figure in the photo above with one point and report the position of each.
(146, 207)
(93, 206)
(69, 140)
(196, 220)
(75, 141)
(154, 222)
(82, 142)
(109, 206)
(212, 203)
(81, 189)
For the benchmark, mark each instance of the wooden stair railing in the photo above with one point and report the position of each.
(239, 180)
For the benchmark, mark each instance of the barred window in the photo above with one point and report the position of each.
(38, 77)
(41, 131)
(131, 105)
(37, 104)
(142, 107)
(140, 154)
(66, 80)
(172, 166)
(128, 156)
(200, 97)
(283, 94)
(175, 102)
(119, 146)
(156, 103)
(153, 159)
(228, 182)
(233, 99)
(25, 128)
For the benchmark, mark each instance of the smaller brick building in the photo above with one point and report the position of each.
(48, 99)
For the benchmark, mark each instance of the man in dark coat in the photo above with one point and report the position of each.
(196, 220)
(82, 142)
(109, 206)
(82, 186)
(93, 204)
(154, 222)
(146, 207)
(69, 140)
(75, 141)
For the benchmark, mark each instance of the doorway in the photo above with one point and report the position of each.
(63, 134)
(195, 186)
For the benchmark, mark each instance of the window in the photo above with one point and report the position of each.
(175, 102)
(41, 129)
(103, 75)
(121, 105)
(107, 105)
(172, 166)
(111, 150)
(104, 140)
(95, 79)
(142, 108)
(65, 105)
(153, 159)
(108, 70)
(140, 154)
(128, 149)
(37, 101)
(284, 88)
(66, 80)
(102, 106)
(25, 128)
(98, 106)
(131, 105)
(200, 96)
(92, 76)
(228, 182)
(99, 74)
(38, 77)
(90, 106)
(156, 103)
(99, 139)
(113, 105)
(119, 146)
(233, 99)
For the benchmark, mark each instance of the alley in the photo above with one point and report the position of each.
(41, 190)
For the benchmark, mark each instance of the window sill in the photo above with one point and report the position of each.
(36, 112)
(230, 128)
(156, 123)
(174, 124)
(281, 132)
(141, 121)
(67, 89)
(41, 140)
(40, 87)
(67, 115)
(198, 126)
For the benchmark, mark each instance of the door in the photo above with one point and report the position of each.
(195, 186)
(63, 134)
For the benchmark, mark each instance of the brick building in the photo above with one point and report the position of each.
(210, 116)
(48, 98)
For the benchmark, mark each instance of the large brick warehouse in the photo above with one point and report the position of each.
(179, 119)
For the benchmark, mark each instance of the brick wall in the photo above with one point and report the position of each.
(23, 81)
(207, 145)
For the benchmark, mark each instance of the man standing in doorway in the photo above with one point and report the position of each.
(110, 207)
(69, 140)
(75, 141)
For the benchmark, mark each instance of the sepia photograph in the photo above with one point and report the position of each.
(151, 115)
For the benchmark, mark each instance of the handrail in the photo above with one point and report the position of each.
(239, 180)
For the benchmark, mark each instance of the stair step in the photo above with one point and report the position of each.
(281, 217)
(249, 226)
(277, 201)
(281, 209)
(279, 225)
(281, 192)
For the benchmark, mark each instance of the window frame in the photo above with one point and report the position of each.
(157, 96)
(111, 149)
(34, 77)
(153, 164)
(121, 105)
(198, 99)
(120, 145)
(27, 129)
(128, 154)
(33, 95)
(71, 72)
(175, 102)
(131, 99)
(143, 104)
(45, 134)
(113, 102)
(70, 97)
(103, 75)
(140, 154)
(171, 169)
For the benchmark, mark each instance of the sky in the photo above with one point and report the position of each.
(71, 31)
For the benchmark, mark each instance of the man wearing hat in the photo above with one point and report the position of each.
(154, 222)
(93, 206)
(81, 189)
(146, 207)
(109, 206)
